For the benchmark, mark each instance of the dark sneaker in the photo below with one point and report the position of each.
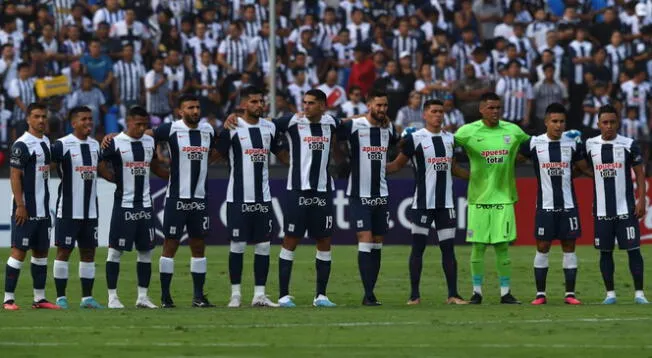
(202, 302)
(168, 303)
(476, 299)
(508, 299)
(371, 301)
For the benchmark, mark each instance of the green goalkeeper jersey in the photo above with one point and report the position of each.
(492, 152)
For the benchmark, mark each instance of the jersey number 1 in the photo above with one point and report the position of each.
(574, 225)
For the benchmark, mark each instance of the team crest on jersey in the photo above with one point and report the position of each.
(566, 151)
(508, 139)
(619, 154)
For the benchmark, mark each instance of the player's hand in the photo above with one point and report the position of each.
(641, 208)
(107, 140)
(21, 215)
(231, 122)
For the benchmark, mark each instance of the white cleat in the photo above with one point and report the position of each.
(114, 303)
(235, 302)
(145, 302)
(263, 301)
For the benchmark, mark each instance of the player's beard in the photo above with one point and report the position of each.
(380, 118)
(191, 119)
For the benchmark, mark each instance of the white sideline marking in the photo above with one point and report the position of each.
(332, 324)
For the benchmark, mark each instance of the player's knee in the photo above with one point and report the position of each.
(290, 243)
(18, 255)
(543, 246)
(324, 244)
(144, 256)
(63, 254)
(262, 248)
(87, 255)
(447, 246)
(170, 247)
(238, 247)
(113, 255)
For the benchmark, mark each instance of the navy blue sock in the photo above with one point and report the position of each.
(323, 269)
(636, 268)
(607, 269)
(375, 259)
(365, 266)
(284, 273)
(60, 284)
(198, 280)
(112, 274)
(570, 275)
(261, 269)
(540, 277)
(449, 264)
(416, 263)
(11, 278)
(235, 267)
(87, 286)
(143, 272)
(166, 281)
(39, 275)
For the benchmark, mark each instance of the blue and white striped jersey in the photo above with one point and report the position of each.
(130, 159)
(77, 168)
(248, 147)
(32, 155)
(515, 93)
(189, 151)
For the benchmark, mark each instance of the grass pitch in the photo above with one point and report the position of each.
(432, 329)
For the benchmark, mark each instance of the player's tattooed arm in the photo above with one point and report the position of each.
(105, 171)
(459, 171)
(15, 176)
(159, 168)
(641, 204)
(397, 164)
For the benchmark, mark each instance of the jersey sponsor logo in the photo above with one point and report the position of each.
(193, 205)
(317, 201)
(495, 156)
(137, 215)
(254, 208)
(87, 172)
(137, 168)
(316, 142)
(610, 218)
(45, 170)
(194, 152)
(490, 206)
(257, 155)
(440, 164)
(374, 152)
(608, 170)
(555, 169)
(373, 202)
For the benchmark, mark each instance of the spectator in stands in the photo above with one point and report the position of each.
(395, 85)
(99, 66)
(547, 91)
(355, 105)
(468, 92)
(8, 65)
(362, 70)
(453, 117)
(412, 114)
(591, 106)
(335, 95)
(489, 13)
(21, 91)
(93, 98)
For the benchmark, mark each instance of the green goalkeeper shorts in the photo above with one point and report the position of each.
(491, 223)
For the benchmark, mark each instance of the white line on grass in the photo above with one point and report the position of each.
(333, 324)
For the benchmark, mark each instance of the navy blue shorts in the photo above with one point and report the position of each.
(308, 210)
(623, 228)
(131, 226)
(369, 214)
(185, 213)
(69, 231)
(562, 224)
(33, 234)
(250, 222)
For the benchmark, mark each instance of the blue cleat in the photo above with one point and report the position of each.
(62, 302)
(609, 301)
(90, 303)
(641, 300)
(286, 302)
(322, 301)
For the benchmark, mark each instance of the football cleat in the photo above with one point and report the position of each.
(263, 301)
(202, 302)
(168, 303)
(609, 301)
(286, 302)
(62, 302)
(145, 302)
(114, 303)
(371, 301)
(322, 301)
(235, 302)
(44, 304)
(641, 300)
(90, 303)
(540, 300)
(508, 299)
(414, 301)
(476, 299)
(571, 300)
(456, 300)
(10, 305)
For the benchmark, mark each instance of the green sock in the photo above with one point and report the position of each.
(503, 266)
(477, 265)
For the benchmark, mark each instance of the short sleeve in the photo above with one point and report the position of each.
(635, 154)
(588, 101)
(150, 79)
(344, 130)
(407, 146)
(222, 48)
(57, 151)
(578, 153)
(224, 142)
(520, 135)
(461, 136)
(283, 122)
(108, 153)
(14, 91)
(525, 149)
(19, 155)
(162, 133)
(277, 144)
(393, 135)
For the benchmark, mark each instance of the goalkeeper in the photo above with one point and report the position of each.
(492, 147)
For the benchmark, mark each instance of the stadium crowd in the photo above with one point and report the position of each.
(531, 52)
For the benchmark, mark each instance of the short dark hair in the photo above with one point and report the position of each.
(188, 97)
(137, 111)
(607, 108)
(375, 93)
(34, 106)
(548, 66)
(555, 107)
(354, 88)
(489, 96)
(250, 91)
(319, 95)
(513, 62)
(23, 65)
(76, 110)
(432, 102)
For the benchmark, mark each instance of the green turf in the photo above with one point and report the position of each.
(393, 330)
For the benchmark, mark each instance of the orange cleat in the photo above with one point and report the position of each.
(456, 301)
(10, 305)
(413, 302)
(571, 300)
(44, 304)
(540, 300)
